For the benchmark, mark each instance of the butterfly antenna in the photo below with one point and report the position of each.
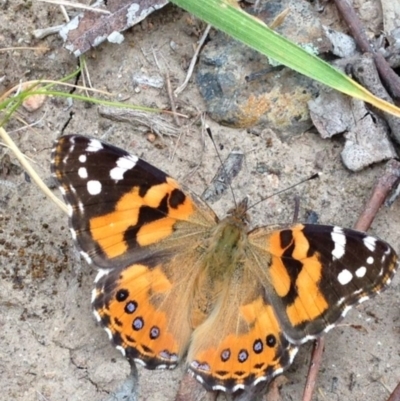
(209, 133)
(312, 177)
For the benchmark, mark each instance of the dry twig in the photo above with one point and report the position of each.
(390, 78)
(384, 185)
(76, 5)
(172, 100)
(395, 396)
(193, 62)
(315, 363)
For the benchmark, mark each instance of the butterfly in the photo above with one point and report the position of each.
(177, 283)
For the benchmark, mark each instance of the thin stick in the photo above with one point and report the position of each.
(6, 49)
(315, 364)
(75, 5)
(171, 99)
(382, 188)
(296, 209)
(193, 61)
(395, 396)
(390, 78)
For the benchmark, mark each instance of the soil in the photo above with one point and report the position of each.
(50, 346)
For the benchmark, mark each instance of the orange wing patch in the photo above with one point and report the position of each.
(150, 218)
(292, 266)
(310, 303)
(240, 358)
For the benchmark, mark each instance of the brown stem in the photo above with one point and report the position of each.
(172, 100)
(386, 73)
(395, 396)
(382, 188)
(315, 363)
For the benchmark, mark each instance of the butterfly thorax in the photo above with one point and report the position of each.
(225, 247)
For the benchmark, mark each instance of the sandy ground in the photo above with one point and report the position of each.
(50, 346)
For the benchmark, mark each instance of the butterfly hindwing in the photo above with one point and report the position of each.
(241, 343)
(145, 310)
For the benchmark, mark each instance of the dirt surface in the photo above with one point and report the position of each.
(50, 346)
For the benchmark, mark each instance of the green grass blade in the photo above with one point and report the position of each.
(229, 18)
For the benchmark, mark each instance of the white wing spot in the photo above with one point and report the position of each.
(260, 379)
(94, 296)
(69, 210)
(82, 158)
(345, 310)
(82, 172)
(363, 299)
(73, 234)
(140, 362)
(328, 328)
(370, 260)
(344, 277)
(341, 300)
(217, 387)
(100, 274)
(292, 354)
(94, 146)
(235, 388)
(109, 332)
(97, 316)
(87, 257)
(93, 187)
(121, 350)
(124, 164)
(370, 243)
(339, 239)
(360, 272)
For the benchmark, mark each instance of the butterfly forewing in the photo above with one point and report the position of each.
(318, 272)
(118, 204)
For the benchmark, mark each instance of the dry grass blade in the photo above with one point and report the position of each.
(75, 5)
(28, 168)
